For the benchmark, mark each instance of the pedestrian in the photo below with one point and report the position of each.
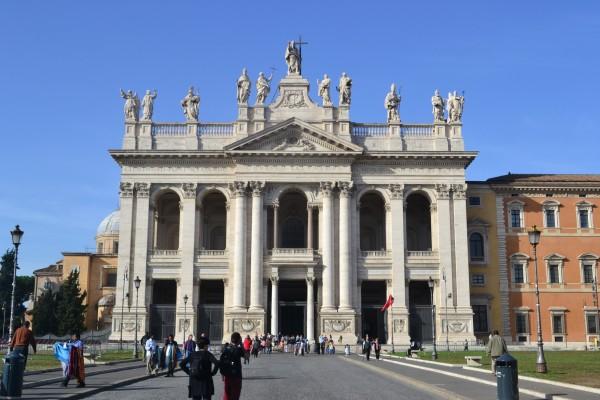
(202, 367)
(21, 340)
(170, 355)
(255, 346)
(70, 354)
(366, 347)
(495, 348)
(231, 368)
(247, 348)
(466, 346)
(347, 349)
(189, 346)
(143, 342)
(151, 355)
(377, 348)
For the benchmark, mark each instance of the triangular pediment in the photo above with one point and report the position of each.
(293, 136)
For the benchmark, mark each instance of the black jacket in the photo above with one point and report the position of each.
(201, 386)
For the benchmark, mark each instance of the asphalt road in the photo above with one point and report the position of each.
(284, 376)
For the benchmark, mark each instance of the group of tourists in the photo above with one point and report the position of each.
(160, 358)
(369, 345)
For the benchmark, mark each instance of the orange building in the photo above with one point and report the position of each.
(565, 209)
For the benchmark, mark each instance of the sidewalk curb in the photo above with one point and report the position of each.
(117, 384)
(57, 369)
(546, 381)
(44, 382)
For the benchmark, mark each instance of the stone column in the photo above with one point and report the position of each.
(200, 226)
(309, 225)
(345, 246)
(444, 227)
(327, 250)
(140, 258)
(461, 251)
(187, 246)
(275, 223)
(256, 253)
(275, 304)
(310, 308)
(238, 190)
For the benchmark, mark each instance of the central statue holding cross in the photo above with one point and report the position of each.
(293, 58)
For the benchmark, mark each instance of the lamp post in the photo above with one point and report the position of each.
(16, 239)
(3, 319)
(434, 354)
(540, 362)
(185, 300)
(137, 282)
(123, 308)
(446, 308)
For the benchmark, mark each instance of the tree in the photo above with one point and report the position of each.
(70, 310)
(44, 314)
(23, 289)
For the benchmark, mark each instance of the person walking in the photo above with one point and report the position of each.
(247, 348)
(143, 343)
(377, 348)
(151, 356)
(189, 346)
(366, 347)
(21, 340)
(496, 347)
(231, 368)
(322, 340)
(198, 366)
(74, 365)
(170, 355)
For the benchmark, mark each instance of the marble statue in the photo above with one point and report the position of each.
(243, 87)
(293, 58)
(324, 90)
(345, 89)
(263, 87)
(190, 105)
(437, 103)
(132, 105)
(148, 105)
(455, 106)
(392, 102)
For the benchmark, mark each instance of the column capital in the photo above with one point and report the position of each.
(310, 280)
(126, 189)
(326, 188)
(388, 206)
(238, 188)
(275, 204)
(257, 188)
(346, 188)
(274, 279)
(459, 191)
(142, 189)
(443, 191)
(396, 191)
(189, 190)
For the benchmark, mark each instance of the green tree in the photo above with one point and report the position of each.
(70, 310)
(44, 314)
(23, 289)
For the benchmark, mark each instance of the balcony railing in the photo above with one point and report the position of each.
(169, 129)
(216, 129)
(291, 251)
(416, 130)
(213, 253)
(164, 252)
(421, 253)
(182, 129)
(369, 129)
(375, 253)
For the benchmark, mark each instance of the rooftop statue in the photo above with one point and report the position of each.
(148, 105)
(345, 89)
(263, 87)
(190, 105)
(243, 88)
(437, 103)
(392, 102)
(132, 105)
(324, 90)
(293, 58)
(455, 106)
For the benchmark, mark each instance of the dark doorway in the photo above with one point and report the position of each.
(210, 310)
(373, 321)
(162, 309)
(292, 307)
(420, 311)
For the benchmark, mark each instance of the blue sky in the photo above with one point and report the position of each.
(530, 72)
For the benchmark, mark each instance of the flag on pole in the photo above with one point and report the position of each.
(388, 303)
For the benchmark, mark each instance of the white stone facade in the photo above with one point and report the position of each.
(299, 187)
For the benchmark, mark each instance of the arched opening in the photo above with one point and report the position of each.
(476, 251)
(214, 222)
(162, 309)
(292, 220)
(372, 222)
(418, 223)
(166, 220)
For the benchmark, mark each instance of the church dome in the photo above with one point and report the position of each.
(109, 225)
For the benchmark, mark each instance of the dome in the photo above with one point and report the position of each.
(109, 225)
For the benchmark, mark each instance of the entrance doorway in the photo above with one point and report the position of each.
(210, 310)
(162, 310)
(420, 311)
(292, 307)
(373, 321)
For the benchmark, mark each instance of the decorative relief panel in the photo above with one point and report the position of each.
(337, 325)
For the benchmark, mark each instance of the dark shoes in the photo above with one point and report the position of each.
(81, 384)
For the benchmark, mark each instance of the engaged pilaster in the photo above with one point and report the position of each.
(142, 206)
(274, 304)
(187, 244)
(256, 253)
(345, 246)
(327, 258)
(238, 190)
(310, 308)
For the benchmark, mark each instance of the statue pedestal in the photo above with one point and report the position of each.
(339, 324)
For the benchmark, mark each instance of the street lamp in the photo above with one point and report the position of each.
(17, 234)
(137, 282)
(540, 363)
(446, 308)
(185, 300)
(434, 354)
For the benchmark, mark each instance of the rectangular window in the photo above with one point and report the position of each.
(515, 218)
(518, 275)
(100, 248)
(588, 273)
(111, 279)
(550, 219)
(553, 275)
(480, 319)
(478, 279)
(474, 201)
(583, 219)
(592, 323)
(558, 324)
(115, 247)
(521, 325)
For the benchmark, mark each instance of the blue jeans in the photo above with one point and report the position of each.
(23, 350)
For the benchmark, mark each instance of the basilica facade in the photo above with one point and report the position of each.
(293, 218)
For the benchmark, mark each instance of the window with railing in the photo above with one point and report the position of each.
(588, 273)
(553, 273)
(522, 323)
(480, 318)
(592, 323)
(558, 326)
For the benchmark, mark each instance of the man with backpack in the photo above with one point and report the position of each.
(231, 367)
(202, 367)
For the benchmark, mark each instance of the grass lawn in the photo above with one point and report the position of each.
(44, 360)
(578, 367)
